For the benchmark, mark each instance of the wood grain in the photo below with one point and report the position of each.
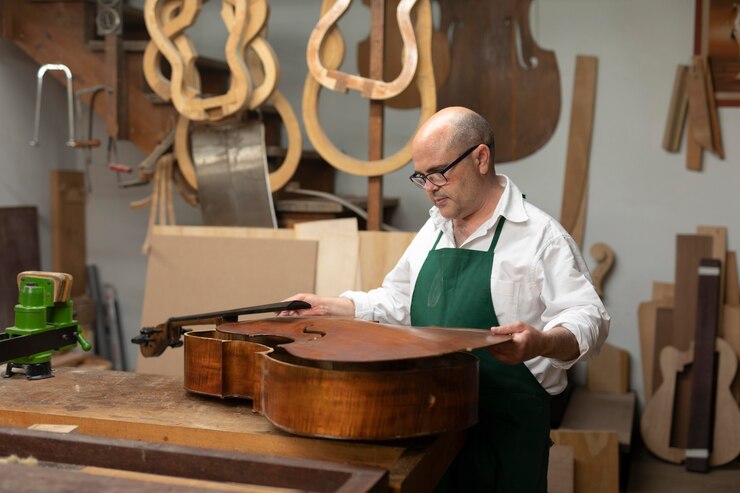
(68, 241)
(156, 408)
(19, 244)
(677, 110)
(610, 371)
(575, 189)
(596, 456)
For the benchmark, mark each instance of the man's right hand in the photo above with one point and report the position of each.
(321, 305)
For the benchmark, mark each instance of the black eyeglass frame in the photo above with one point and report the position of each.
(420, 179)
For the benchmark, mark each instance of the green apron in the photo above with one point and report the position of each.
(507, 451)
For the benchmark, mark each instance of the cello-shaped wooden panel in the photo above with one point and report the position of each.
(499, 71)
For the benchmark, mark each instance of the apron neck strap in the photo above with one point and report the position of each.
(499, 227)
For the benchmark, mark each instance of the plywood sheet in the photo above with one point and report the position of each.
(596, 456)
(68, 241)
(609, 371)
(189, 274)
(379, 253)
(337, 264)
(560, 469)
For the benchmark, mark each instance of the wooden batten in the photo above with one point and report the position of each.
(575, 189)
(677, 110)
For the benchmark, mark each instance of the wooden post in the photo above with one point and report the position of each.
(116, 119)
(375, 151)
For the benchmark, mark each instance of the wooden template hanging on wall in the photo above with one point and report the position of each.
(717, 35)
(498, 69)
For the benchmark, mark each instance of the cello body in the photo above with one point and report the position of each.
(342, 378)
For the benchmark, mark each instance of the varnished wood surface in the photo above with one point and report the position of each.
(156, 408)
(355, 341)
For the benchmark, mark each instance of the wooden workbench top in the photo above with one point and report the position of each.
(156, 408)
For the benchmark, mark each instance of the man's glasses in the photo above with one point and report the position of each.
(438, 177)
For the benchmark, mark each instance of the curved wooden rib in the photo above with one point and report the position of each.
(280, 177)
(339, 81)
(214, 108)
(332, 52)
(182, 152)
(270, 72)
(154, 18)
(604, 255)
(175, 18)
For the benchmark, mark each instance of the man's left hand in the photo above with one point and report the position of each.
(526, 342)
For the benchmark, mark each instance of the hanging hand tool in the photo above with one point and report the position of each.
(87, 151)
(43, 323)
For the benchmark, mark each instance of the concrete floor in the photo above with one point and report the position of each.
(649, 474)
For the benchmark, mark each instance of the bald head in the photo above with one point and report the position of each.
(455, 127)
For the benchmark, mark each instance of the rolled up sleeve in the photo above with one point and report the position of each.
(570, 298)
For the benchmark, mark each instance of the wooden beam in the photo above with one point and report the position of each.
(116, 117)
(376, 124)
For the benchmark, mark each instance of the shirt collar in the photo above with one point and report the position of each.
(511, 206)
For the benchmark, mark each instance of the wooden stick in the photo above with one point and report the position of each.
(677, 111)
(712, 106)
(375, 183)
(575, 189)
(116, 120)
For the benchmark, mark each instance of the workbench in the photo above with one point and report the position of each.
(157, 409)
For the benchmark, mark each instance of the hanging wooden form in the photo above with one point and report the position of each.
(254, 76)
(336, 80)
(331, 53)
(393, 61)
(499, 71)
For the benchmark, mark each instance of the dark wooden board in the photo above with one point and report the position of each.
(19, 251)
(690, 249)
(491, 72)
(703, 383)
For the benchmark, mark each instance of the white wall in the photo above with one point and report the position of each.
(640, 196)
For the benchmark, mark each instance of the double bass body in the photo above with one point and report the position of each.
(315, 377)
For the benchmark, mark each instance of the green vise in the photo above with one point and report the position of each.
(43, 323)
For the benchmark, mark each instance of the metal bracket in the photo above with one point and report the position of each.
(70, 108)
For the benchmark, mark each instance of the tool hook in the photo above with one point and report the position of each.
(70, 108)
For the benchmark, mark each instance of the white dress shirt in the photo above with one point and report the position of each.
(539, 277)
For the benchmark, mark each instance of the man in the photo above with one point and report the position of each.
(488, 259)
